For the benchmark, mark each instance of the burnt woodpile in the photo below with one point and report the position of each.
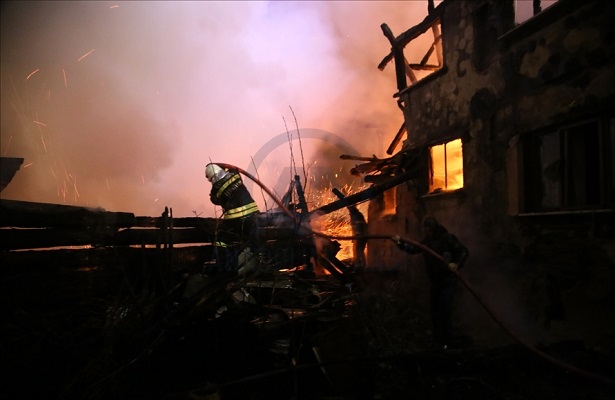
(102, 305)
(27, 225)
(107, 305)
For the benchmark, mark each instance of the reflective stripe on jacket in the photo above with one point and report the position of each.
(242, 211)
(233, 196)
(226, 184)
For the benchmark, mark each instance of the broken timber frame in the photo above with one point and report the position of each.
(364, 195)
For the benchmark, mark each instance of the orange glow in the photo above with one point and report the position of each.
(390, 201)
(447, 164)
(337, 223)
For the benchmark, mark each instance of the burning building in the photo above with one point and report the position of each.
(510, 133)
(508, 140)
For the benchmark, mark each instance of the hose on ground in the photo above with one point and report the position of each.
(460, 277)
(487, 308)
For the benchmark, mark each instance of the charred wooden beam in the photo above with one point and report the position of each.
(363, 195)
(373, 163)
(402, 40)
(8, 168)
(18, 239)
(24, 214)
(85, 260)
(398, 54)
(400, 133)
(358, 158)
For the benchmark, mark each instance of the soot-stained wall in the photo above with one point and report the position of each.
(548, 271)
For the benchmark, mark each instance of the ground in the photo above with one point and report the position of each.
(318, 338)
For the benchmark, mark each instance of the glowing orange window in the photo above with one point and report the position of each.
(446, 167)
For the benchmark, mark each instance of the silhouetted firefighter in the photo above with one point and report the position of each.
(359, 229)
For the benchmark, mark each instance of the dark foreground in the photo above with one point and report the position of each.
(281, 336)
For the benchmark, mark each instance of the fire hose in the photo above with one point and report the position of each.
(460, 277)
(487, 308)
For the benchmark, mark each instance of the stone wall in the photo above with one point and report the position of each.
(543, 273)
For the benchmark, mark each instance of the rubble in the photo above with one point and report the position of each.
(139, 316)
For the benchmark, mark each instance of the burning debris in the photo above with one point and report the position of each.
(135, 311)
(104, 305)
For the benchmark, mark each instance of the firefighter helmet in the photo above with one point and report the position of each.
(213, 172)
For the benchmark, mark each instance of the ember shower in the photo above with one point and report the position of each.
(120, 105)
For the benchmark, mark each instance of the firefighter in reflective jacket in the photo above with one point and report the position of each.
(239, 210)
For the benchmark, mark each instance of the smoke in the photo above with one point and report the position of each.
(121, 105)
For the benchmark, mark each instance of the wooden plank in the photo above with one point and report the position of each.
(397, 138)
(8, 168)
(15, 213)
(403, 39)
(96, 258)
(363, 195)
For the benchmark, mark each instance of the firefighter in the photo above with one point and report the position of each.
(239, 212)
(359, 229)
(443, 281)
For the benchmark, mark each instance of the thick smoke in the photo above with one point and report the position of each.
(121, 105)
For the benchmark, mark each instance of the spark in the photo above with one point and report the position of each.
(115, 6)
(8, 144)
(39, 123)
(44, 145)
(142, 179)
(107, 180)
(75, 188)
(27, 165)
(71, 179)
(65, 81)
(85, 55)
(63, 190)
(32, 73)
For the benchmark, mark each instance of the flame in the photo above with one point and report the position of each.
(337, 223)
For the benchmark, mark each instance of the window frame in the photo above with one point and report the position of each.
(430, 169)
(531, 193)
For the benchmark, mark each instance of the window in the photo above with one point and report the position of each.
(446, 167)
(570, 168)
(490, 20)
(526, 9)
(390, 202)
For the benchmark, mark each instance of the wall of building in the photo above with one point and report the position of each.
(543, 273)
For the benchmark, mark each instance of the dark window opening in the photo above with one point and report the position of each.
(526, 9)
(490, 21)
(570, 168)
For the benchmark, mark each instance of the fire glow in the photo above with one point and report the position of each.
(337, 223)
(151, 93)
(447, 166)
